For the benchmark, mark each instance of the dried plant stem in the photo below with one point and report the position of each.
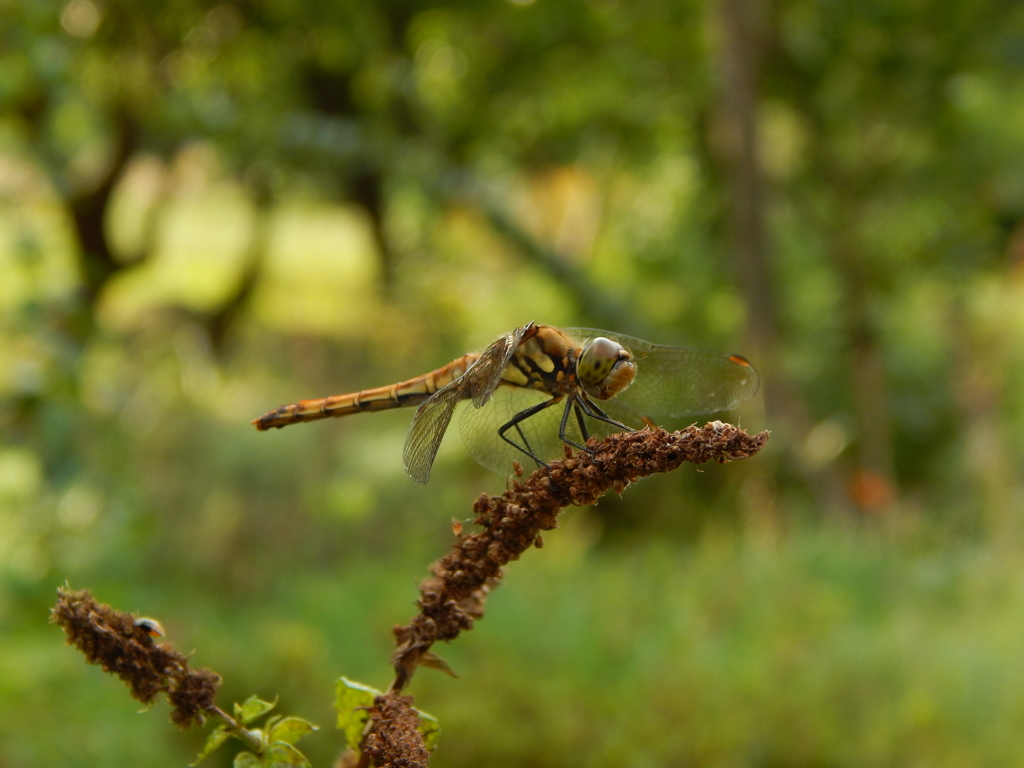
(454, 596)
(450, 600)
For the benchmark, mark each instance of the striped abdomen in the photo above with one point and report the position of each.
(405, 393)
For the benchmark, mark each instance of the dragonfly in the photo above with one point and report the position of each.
(540, 388)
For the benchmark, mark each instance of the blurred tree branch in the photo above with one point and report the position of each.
(89, 210)
(601, 308)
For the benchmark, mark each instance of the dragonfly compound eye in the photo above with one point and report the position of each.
(605, 368)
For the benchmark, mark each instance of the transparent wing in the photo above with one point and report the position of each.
(479, 429)
(428, 428)
(485, 375)
(675, 381)
(433, 416)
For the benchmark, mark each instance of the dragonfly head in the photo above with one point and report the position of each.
(605, 368)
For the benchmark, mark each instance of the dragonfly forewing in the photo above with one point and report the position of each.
(433, 416)
(677, 382)
(488, 370)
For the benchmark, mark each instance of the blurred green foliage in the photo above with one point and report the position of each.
(208, 209)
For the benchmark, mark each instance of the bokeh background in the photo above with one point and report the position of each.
(209, 209)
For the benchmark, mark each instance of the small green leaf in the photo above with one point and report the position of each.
(281, 754)
(290, 730)
(252, 708)
(246, 760)
(217, 737)
(430, 729)
(349, 696)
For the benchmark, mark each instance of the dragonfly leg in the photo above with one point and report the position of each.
(594, 412)
(523, 416)
(579, 421)
(522, 436)
(529, 448)
(582, 424)
(569, 407)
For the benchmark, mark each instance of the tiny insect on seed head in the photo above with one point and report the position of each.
(151, 627)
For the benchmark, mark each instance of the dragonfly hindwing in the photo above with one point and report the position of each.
(428, 427)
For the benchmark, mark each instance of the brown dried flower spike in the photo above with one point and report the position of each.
(123, 645)
(395, 740)
(454, 596)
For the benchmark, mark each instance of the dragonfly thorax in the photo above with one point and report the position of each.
(605, 368)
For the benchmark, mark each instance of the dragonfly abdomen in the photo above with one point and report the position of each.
(403, 394)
